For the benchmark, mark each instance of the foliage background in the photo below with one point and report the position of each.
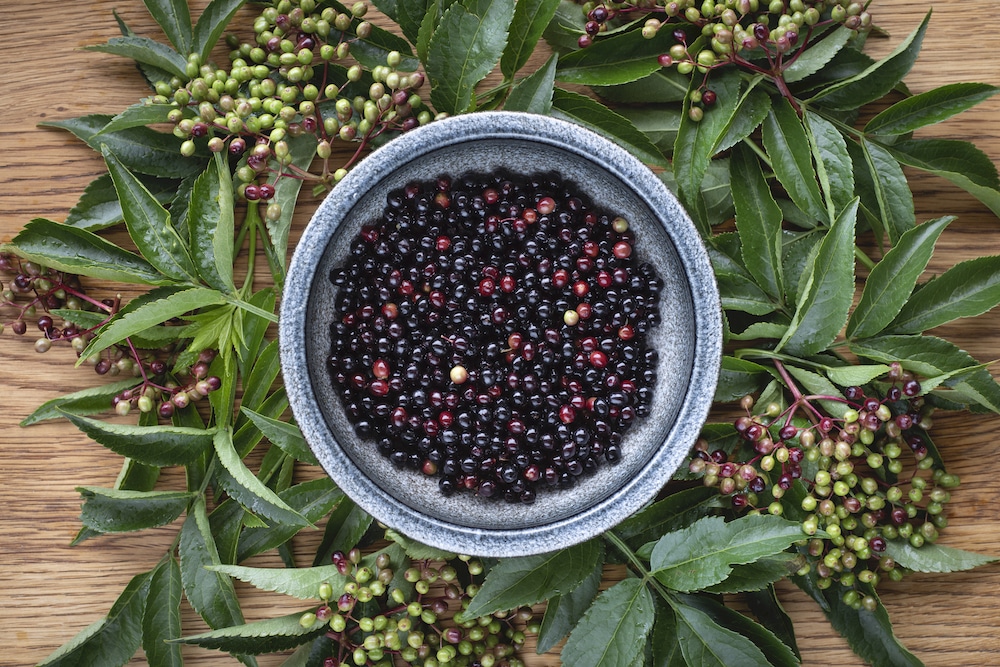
(48, 590)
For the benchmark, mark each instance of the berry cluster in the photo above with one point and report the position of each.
(759, 36)
(845, 477)
(383, 617)
(492, 330)
(293, 78)
(43, 293)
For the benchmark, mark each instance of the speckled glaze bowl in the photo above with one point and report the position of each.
(688, 340)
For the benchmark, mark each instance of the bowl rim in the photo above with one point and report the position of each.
(302, 271)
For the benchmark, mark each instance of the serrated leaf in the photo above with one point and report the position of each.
(112, 640)
(751, 110)
(659, 123)
(582, 110)
(767, 609)
(666, 515)
(934, 557)
(147, 51)
(161, 620)
(211, 24)
(705, 643)
(302, 150)
(210, 594)
(883, 188)
(92, 400)
(743, 629)
(564, 611)
(876, 80)
(153, 445)
(533, 93)
(664, 86)
(891, 281)
(268, 636)
(958, 162)
(817, 55)
(120, 511)
(833, 163)
(927, 108)
(817, 384)
(284, 435)
(523, 581)
(737, 378)
(408, 15)
(757, 575)
(99, 208)
(344, 529)
(211, 223)
(737, 288)
(851, 375)
(148, 224)
(758, 221)
(822, 309)
(142, 113)
(704, 553)
(665, 651)
(175, 19)
(174, 304)
(465, 47)
(613, 631)
(299, 582)
(140, 149)
(619, 59)
(530, 19)
(968, 289)
(81, 252)
(313, 500)
(417, 550)
(784, 136)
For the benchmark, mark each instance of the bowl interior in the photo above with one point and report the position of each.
(688, 339)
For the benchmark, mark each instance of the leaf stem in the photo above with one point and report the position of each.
(636, 564)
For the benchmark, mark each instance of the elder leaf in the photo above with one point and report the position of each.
(776, 652)
(99, 208)
(583, 110)
(160, 445)
(968, 289)
(705, 643)
(299, 582)
(623, 58)
(147, 51)
(313, 500)
(161, 620)
(614, 629)
(210, 25)
(927, 108)
(92, 400)
(833, 163)
(516, 582)
(211, 594)
(880, 182)
(530, 19)
(175, 19)
(784, 137)
(817, 55)
(932, 557)
(564, 611)
(267, 636)
(141, 113)
(121, 511)
(758, 221)
(210, 222)
(533, 93)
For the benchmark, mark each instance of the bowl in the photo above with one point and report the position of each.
(688, 339)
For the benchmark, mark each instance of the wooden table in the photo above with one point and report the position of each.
(49, 591)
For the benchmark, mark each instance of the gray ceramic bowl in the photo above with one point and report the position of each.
(688, 340)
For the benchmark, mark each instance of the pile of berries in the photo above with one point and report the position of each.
(384, 617)
(845, 477)
(40, 293)
(293, 78)
(492, 330)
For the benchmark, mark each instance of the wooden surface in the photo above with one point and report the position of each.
(49, 591)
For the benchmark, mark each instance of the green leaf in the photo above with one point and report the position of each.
(466, 45)
(891, 281)
(564, 611)
(516, 582)
(958, 162)
(175, 303)
(751, 110)
(823, 306)
(737, 288)
(533, 94)
(268, 636)
(849, 376)
(659, 123)
(153, 445)
(883, 188)
(817, 55)
(408, 15)
(833, 163)
(284, 435)
(927, 108)
(175, 19)
(968, 289)
(670, 513)
(142, 113)
(614, 629)
(530, 19)
(148, 224)
(815, 383)
(210, 594)
(111, 641)
(81, 252)
(92, 400)
(784, 136)
(147, 51)
(140, 149)
(417, 550)
(766, 607)
(758, 221)
(211, 223)
(934, 557)
(723, 632)
(120, 511)
(875, 81)
(344, 529)
(99, 208)
(298, 582)
(313, 499)
(286, 192)
(666, 652)
(161, 620)
(703, 553)
(664, 86)
(583, 110)
(757, 575)
(249, 491)
(622, 58)
(211, 24)
(737, 378)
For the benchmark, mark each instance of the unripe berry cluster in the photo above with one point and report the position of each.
(294, 78)
(759, 36)
(844, 476)
(409, 613)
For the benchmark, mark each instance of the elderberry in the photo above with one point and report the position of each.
(492, 329)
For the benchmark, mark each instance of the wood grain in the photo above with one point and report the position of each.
(49, 590)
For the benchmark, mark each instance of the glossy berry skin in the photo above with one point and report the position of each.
(516, 354)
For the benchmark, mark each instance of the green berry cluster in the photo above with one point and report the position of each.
(856, 480)
(759, 36)
(295, 77)
(383, 616)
